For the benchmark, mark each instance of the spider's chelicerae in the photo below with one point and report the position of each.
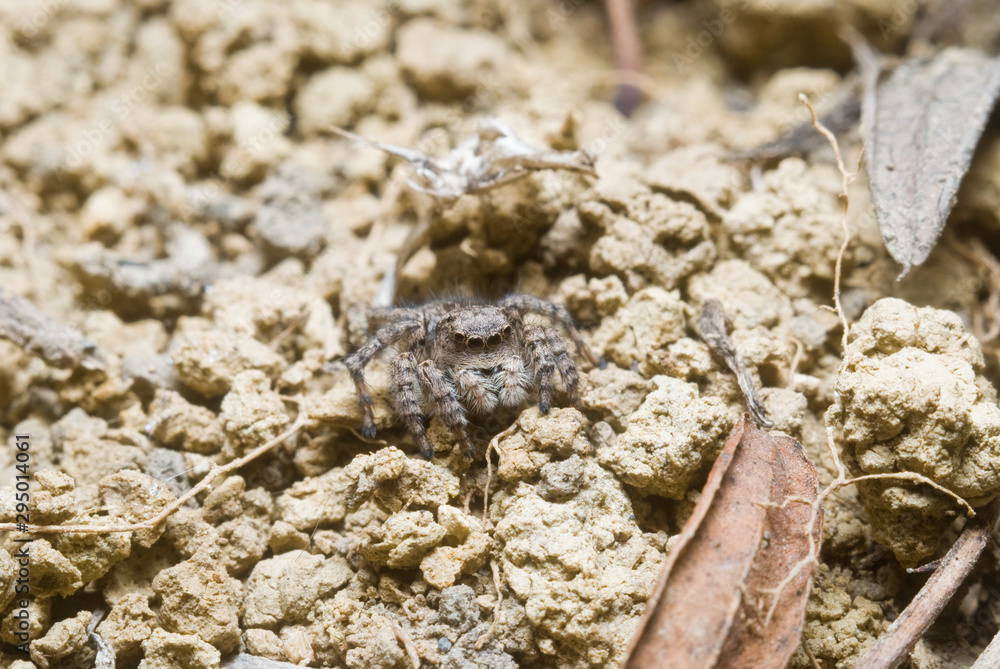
(456, 359)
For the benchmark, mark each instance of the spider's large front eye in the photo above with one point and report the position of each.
(475, 343)
(494, 340)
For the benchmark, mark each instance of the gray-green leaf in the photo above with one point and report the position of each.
(927, 119)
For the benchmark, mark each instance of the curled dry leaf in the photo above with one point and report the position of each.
(734, 588)
(922, 125)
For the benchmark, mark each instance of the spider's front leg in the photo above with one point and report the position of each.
(405, 380)
(557, 312)
(536, 339)
(556, 348)
(444, 397)
(357, 361)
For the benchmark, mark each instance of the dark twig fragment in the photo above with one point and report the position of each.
(802, 139)
(628, 51)
(713, 329)
(893, 646)
(38, 333)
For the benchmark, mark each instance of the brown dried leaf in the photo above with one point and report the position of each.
(726, 597)
(777, 589)
(922, 126)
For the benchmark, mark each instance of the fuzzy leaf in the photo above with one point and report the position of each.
(922, 127)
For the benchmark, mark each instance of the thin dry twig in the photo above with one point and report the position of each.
(481, 641)
(404, 638)
(846, 179)
(215, 472)
(916, 478)
(894, 645)
(809, 654)
(489, 470)
(628, 50)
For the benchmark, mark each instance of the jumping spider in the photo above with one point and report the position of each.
(456, 358)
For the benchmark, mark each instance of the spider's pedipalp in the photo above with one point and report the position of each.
(516, 381)
(406, 383)
(477, 392)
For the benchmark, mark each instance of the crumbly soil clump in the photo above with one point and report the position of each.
(171, 189)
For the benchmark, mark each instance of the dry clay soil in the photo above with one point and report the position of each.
(170, 186)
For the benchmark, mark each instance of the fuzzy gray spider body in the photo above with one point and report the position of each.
(458, 360)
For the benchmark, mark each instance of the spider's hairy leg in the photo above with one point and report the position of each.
(379, 317)
(357, 361)
(530, 303)
(405, 380)
(564, 362)
(536, 339)
(443, 396)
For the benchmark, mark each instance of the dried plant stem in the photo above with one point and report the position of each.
(204, 483)
(904, 633)
(481, 641)
(627, 48)
(846, 179)
(489, 470)
(404, 638)
(990, 658)
(893, 646)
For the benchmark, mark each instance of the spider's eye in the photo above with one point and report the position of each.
(506, 332)
(475, 343)
(459, 338)
(494, 340)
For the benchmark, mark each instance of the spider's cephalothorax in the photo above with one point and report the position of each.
(457, 359)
